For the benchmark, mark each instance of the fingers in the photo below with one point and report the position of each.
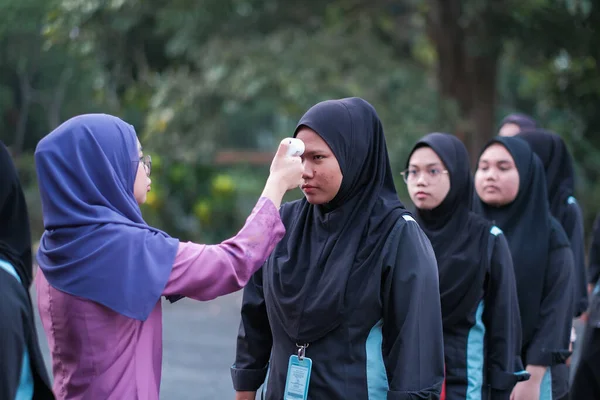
(284, 145)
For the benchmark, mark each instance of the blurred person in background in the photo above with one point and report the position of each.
(593, 273)
(560, 181)
(514, 123)
(586, 382)
(23, 375)
(511, 186)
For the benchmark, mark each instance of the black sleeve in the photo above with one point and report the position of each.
(550, 342)
(502, 320)
(413, 347)
(574, 230)
(254, 339)
(13, 303)
(594, 260)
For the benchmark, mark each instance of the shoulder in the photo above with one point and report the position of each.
(496, 237)
(406, 225)
(407, 239)
(573, 208)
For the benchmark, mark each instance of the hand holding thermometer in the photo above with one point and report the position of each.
(296, 147)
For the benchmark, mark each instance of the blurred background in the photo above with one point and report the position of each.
(212, 86)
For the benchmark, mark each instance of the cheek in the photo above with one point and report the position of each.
(333, 178)
(479, 180)
(140, 179)
(509, 188)
(412, 189)
(442, 189)
(512, 188)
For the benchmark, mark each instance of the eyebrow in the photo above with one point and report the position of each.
(428, 165)
(483, 160)
(312, 152)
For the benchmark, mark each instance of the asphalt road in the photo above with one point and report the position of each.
(199, 347)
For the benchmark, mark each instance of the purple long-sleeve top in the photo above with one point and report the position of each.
(100, 354)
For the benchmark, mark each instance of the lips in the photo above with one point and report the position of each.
(308, 189)
(490, 188)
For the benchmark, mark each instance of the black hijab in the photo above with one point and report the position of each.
(329, 251)
(15, 237)
(523, 121)
(459, 237)
(15, 248)
(526, 223)
(558, 165)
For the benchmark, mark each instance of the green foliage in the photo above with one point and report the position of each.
(199, 77)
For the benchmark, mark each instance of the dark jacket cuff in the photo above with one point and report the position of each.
(547, 357)
(505, 381)
(248, 380)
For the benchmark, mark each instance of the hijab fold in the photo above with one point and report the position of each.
(460, 238)
(96, 245)
(330, 250)
(558, 165)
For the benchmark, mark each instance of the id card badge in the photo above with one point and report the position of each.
(298, 378)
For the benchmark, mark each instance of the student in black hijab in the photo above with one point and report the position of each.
(511, 185)
(594, 256)
(22, 373)
(560, 181)
(353, 284)
(480, 309)
(514, 123)
(586, 382)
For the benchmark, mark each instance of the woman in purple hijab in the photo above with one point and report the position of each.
(104, 270)
(514, 123)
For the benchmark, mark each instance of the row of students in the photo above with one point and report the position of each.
(506, 279)
(353, 300)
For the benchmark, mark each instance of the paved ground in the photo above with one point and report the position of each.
(199, 346)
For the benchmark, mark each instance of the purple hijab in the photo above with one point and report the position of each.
(523, 121)
(96, 245)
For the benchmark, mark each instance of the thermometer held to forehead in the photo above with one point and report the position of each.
(296, 147)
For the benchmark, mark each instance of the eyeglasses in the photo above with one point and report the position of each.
(412, 175)
(147, 161)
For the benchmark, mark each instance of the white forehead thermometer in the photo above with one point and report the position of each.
(296, 147)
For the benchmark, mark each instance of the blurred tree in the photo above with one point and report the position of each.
(196, 77)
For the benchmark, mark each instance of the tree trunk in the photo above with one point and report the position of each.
(481, 114)
(21, 129)
(466, 68)
(55, 103)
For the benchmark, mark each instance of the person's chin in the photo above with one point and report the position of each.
(314, 199)
(494, 201)
(422, 205)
